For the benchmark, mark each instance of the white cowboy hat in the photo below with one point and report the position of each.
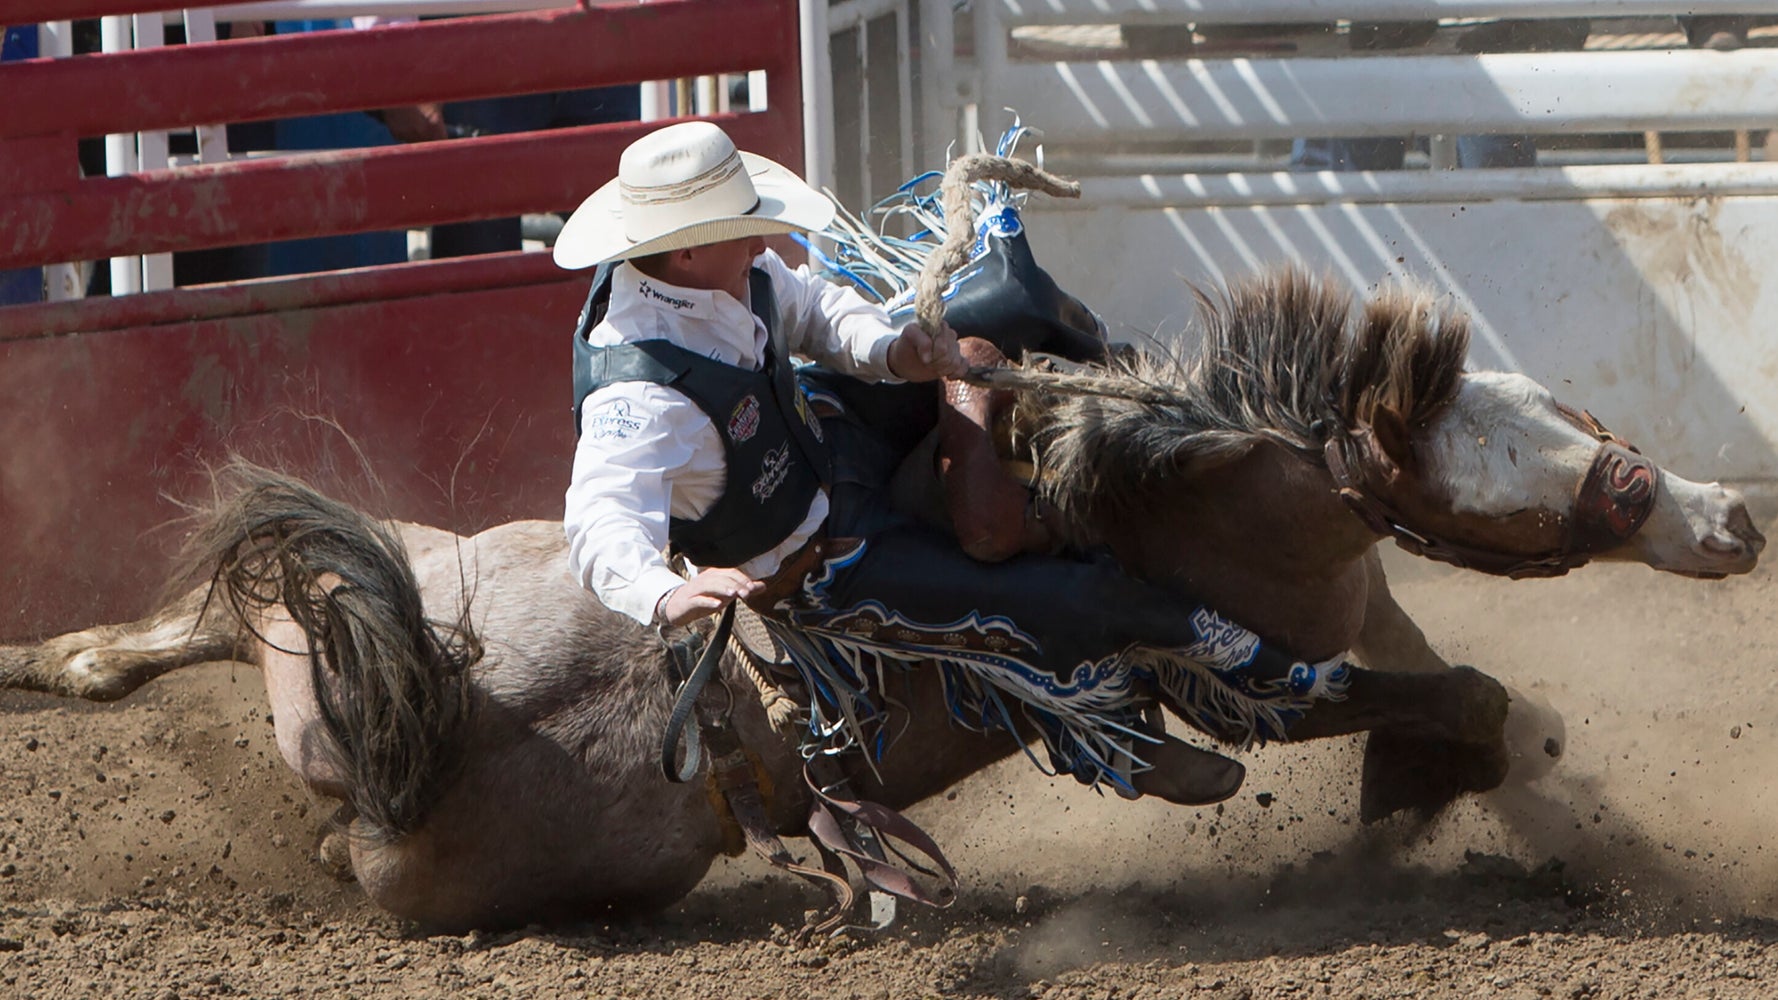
(684, 186)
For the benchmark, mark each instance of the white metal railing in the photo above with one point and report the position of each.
(1023, 12)
(1393, 95)
(1637, 285)
(943, 87)
(1093, 110)
(1417, 186)
(884, 157)
(60, 281)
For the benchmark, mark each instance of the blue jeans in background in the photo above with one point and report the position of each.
(524, 113)
(23, 284)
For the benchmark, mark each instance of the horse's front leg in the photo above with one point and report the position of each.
(1461, 704)
(1389, 639)
(106, 662)
(1433, 737)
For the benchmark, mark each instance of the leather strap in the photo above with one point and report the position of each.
(829, 813)
(685, 700)
(788, 580)
(1611, 503)
(734, 776)
(1615, 499)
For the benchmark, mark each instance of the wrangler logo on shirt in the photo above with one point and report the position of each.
(649, 291)
(772, 472)
(744, 421)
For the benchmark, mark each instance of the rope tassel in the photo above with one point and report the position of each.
(957, 189)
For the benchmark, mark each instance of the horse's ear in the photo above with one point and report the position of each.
(1394, 439)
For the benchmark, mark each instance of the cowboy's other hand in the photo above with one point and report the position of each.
(419, 123)
(916, 357)
(705, 594)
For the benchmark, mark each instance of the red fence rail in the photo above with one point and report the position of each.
(52, 103)
(450, 377)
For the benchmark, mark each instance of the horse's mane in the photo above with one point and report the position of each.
(1284, 358)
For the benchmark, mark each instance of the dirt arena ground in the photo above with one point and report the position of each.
(157, 849)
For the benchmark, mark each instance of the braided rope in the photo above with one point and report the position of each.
(749, 633)
(954, 253)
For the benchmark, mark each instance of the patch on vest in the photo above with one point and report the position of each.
(743, 423)
(772, 472)
(807, 415)
(613, 420)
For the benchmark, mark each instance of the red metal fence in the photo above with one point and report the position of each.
(450, 376)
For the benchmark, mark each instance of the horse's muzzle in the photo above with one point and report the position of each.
(1739, 526)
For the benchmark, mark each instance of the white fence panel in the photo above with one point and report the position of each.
(1645, 292)
(863, 112)
(1392, 95)
(1035, 12)
(1655, 313)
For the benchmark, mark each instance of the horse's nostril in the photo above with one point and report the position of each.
(1723, 545)
(1740, 525)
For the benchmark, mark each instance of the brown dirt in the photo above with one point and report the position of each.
(157, 848)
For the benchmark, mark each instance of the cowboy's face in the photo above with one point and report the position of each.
(721, 267)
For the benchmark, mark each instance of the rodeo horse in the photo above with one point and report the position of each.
(494, 731)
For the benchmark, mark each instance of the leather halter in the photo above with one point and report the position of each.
(1610, 505)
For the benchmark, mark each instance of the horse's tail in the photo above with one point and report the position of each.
(391, 685)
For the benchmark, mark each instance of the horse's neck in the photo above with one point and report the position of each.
(1266, 542)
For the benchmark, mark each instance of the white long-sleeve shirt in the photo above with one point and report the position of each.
(648, 453)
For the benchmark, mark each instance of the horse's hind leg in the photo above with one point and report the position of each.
(106, 662)
(333, 845)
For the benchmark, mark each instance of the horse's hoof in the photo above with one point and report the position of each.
(334, 854)
(1536, 736)
(1484, 706)
(1423, 776)
(1187, 776)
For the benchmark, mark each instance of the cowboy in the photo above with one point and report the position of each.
(695, 432)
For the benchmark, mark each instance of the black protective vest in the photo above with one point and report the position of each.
(773, 450)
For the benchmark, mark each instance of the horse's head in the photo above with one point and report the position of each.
(1491, 472)
(1481, 469)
